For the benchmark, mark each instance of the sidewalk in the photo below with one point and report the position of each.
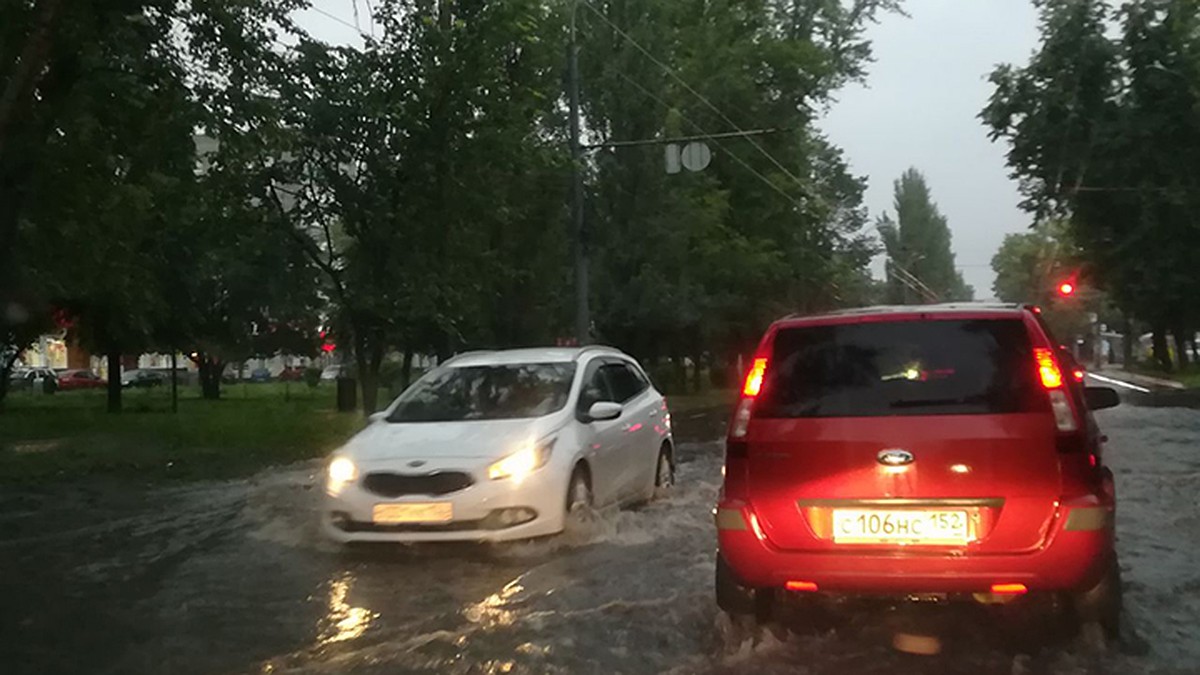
(1118, 373)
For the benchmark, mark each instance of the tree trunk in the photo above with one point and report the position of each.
(369, 357)
(113, 357)
(1128, 342)
(1181, 347)
(1161, 352)
(406, 372)
(696, 367)
(210, 369)
(6, 366)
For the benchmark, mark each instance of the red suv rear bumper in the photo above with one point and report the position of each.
(1069, 560)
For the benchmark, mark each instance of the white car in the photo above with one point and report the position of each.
(494, 446)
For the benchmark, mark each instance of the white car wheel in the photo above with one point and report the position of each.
(664, 477)
(664, 474)
(579, 494)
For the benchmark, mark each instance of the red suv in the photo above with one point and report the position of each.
(943, 452)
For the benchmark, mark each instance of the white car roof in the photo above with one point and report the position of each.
(530, 355)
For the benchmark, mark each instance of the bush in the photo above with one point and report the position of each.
(667, 378)
(721, 376)
(312, 376)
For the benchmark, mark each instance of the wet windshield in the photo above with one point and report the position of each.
(486, 393)
(901, 368)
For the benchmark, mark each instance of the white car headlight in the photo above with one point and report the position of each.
(342, 472)
(521, 463)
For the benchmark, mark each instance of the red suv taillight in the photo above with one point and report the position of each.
(735, 445)
(1052, 380)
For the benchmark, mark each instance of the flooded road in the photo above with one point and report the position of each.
(233, 577)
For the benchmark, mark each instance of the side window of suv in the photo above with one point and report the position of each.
(595, 387)
(623, 380)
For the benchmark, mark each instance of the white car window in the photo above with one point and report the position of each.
(508, 391)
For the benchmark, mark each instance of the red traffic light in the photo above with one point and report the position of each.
(1066, 289)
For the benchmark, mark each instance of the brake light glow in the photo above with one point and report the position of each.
(1009, 589)
(802, 586)
(1048, 368)
(754, 378)
(1077, 374)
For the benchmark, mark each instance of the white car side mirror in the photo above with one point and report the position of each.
(376, 417)
(604, 410)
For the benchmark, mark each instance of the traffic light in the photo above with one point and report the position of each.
(1066, 289)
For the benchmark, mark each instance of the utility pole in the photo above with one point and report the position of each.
(583, 319)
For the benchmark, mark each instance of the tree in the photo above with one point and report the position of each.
(920, 260)
(420, 175)
(104, 97)
(1097, 132)
(1029, 268)
(695, 264)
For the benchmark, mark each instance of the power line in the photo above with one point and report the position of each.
(669, 71)
(682, 139)
(739, 160)
(340, 20)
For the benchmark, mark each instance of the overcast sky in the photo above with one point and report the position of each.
(918, 107)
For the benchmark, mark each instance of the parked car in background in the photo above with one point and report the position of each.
(26, 379)
(141, 378)
(70, 380)
(232, 374)
(335, 372)
(260, 375)
(292, 374)
(495, 446)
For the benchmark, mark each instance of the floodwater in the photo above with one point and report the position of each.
(233, 577)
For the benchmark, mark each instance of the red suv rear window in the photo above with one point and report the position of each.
(927, 367)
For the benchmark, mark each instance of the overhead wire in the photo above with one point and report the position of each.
(697, 125)
(675, 76)
(709, 104)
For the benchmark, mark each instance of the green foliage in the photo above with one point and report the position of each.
(411, 194)
(312, 377)
(700, 262)
(920, 260)
(1099, 130)
(1029, 267)
(97, 161)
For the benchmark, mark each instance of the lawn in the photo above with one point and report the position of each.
(69, 434)
(1189, 377)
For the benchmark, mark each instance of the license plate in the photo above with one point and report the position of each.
(413, 512)
(908, 526)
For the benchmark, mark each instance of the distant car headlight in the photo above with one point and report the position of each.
(521, 463)
(342, 472)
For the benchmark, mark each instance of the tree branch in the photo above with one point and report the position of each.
(31, 67)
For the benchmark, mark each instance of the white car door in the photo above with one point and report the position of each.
(637, 424)
(605, 438)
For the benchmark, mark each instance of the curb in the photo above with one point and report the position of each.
(1144, 380)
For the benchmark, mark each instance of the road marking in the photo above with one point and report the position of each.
(1119, 383)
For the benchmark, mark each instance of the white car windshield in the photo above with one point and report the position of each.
(509, 391)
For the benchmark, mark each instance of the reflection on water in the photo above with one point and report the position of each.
(345, 622)
(492, 611)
